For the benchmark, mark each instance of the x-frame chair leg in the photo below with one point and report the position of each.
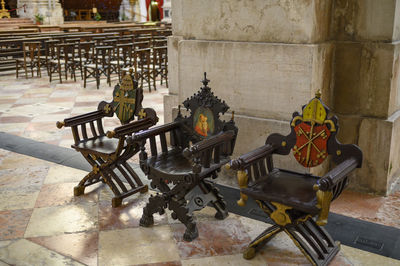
(313, 241)
(104, 170)
(182, 207)
(260, 241)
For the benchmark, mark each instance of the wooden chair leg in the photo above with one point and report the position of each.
(39, 70)
(148, 80)
(81, 70)
(152, 207)
(32, 69)
(260, 241)
(314, 242)
(26, 71)
(59, 72)
(84, 77)
(109, 76)
(66, 71)
(210, 190)
(50, 72)
(181, 212)
(97, 78)
(16, 68)
(89, 179)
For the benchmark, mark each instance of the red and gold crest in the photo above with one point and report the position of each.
(312, 133)
(311, 144)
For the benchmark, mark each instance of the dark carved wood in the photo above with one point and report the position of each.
(297, 196)
(108, 152)
(181, 170)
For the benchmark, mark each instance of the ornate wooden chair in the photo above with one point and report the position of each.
(108, 152)
(298, 203)
(181, 171)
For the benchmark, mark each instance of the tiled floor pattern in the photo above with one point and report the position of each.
(41, 223)
(31, 107)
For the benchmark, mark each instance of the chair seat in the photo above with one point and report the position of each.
(94, 66)
(288, 188)
(115, 62)
(101, 145)
(175, 164)
(55, 61)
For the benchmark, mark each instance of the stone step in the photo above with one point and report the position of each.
(13, 23)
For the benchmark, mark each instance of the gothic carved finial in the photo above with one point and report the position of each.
(205, 81)
(179, 111)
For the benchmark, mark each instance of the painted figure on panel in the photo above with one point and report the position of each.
(203, 122)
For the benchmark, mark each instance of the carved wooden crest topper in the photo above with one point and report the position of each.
(205, 109)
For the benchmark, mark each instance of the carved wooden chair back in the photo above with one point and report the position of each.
(31, 52)
(204, 119)
(103, 56)
(160, 62)
(51, 51)
(202, 123)
(124, 57)
(86, 52)
(66, 58)
(312, 140)
(142, 63)
(126, 106)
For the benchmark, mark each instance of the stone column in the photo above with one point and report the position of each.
(51, 10)
(267, 58)
(366, 91)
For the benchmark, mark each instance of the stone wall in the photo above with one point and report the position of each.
(267, 58)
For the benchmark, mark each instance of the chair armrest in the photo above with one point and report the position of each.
(247, 159)
(337, 174)
(155, 131)
(81, 119)
(130, 128)
(208, 143)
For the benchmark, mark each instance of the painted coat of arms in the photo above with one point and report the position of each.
(125, 99)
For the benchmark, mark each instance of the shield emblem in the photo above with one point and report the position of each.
(124, 102)
(311, 144)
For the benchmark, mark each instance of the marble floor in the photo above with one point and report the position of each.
(42, 223)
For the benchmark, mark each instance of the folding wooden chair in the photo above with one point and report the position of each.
(298, 203)
(108, 152)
